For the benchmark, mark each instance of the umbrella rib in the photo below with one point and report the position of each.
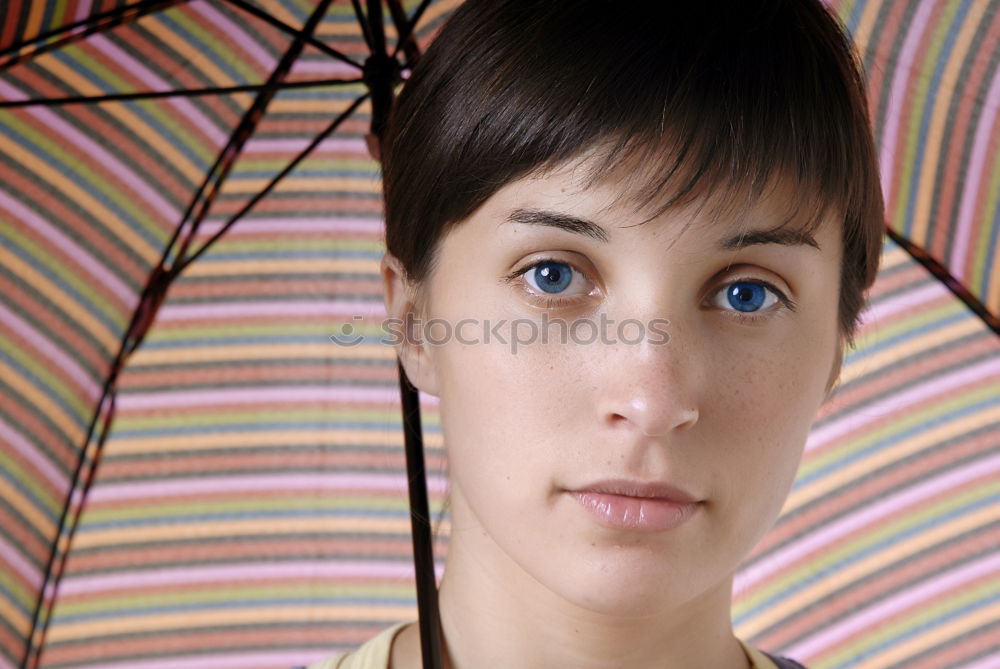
(399, 20)
(410, 26)
(150, 95)
(363, 22)
(30, 648)
(272, 184)
(941, 273)
(375, 26)
(284, 27)
(95, 23)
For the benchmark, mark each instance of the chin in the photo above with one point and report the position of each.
(624, 589)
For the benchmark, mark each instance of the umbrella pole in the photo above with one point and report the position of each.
(423, 548)
(381, 74)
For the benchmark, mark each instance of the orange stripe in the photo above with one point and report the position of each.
(132, 623)
(36, 12)
(278, 436)
(88, 538)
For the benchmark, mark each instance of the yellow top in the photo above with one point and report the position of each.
(374, 654)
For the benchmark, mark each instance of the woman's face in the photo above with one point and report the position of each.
(730, 347)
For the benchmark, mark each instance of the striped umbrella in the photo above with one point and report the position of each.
(250, 504)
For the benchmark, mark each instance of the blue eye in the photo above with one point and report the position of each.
(746, 296)
(551, 276)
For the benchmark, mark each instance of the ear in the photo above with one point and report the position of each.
(403, 313)
(838, 362)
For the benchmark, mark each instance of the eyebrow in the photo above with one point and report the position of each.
(581, 226)
(783, 236)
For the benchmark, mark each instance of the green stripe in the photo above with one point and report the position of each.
(979, 273)
(250, 504)
(289, 246)
(13, 591)
(51, 505)
(389, 418)
(261, 594)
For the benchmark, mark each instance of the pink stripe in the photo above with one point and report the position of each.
(833, 532)
(11, 556)
(237, 35)
(76, 494)
(329, 308)
(189, 112)
(294, 146)
(98, 154)
(328, 67)
(82, 10)
(876, 615)
(290, 657)
(4, 664)
(10, 436)
(883, 309)
(989, 662)
(264, 395)
(896, 403)
(79, 256)
(984, 145)
(228, 573)
(342, 483)
(11, 93)
(50, 352)
(369, 226)
(898, 98)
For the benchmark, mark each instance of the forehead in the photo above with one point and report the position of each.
(630, 192)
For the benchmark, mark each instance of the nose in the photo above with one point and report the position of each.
(651, 388)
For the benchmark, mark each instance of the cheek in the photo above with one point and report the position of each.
(759, 423)
(503, 413)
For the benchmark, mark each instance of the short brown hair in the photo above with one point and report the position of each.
(712, 95)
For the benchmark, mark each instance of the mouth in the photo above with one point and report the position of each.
(635, 505)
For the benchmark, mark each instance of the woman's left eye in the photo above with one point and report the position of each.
(746, 296)
(550, 276)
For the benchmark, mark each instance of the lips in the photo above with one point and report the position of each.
(629, 488)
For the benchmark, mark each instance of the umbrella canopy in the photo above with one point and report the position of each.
(248, 505)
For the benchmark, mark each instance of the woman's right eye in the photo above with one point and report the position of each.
(552, 283)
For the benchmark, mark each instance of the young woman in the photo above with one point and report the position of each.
(641, 233)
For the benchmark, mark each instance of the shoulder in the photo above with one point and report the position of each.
(761, 660)
(373, 654)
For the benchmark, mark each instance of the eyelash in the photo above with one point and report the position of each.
(741, 316)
